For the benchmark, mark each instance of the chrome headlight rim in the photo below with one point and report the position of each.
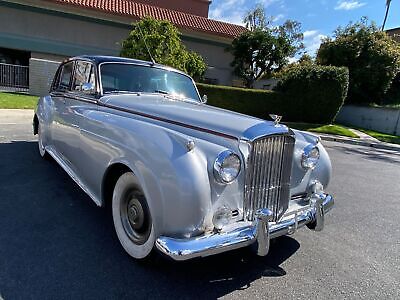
(310, 157)
(219, 167)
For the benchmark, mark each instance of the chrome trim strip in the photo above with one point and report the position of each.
(259, 131)
(71, 173)
(242, 234)
(80, 98)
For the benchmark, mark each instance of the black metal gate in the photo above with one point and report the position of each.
(14, 78)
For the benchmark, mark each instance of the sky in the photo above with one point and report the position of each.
(319, 18)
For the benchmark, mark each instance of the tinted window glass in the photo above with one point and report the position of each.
(84, 73)
(143, 79)
(65, 78)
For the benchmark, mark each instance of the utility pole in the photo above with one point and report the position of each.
(388, 2)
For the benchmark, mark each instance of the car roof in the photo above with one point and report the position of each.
(99, 59)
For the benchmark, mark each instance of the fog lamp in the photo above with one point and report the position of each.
(222, 217)
(317, 187)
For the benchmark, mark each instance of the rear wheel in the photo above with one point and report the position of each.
(132, 219)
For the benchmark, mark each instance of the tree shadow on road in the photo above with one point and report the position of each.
(370, 153)
(55, 243)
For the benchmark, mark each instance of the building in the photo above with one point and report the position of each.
(394, 33)
(34, 32)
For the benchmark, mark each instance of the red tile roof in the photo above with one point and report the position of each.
(140, 10)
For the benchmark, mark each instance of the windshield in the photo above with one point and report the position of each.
(142, 79)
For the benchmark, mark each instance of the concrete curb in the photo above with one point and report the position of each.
(381, 145)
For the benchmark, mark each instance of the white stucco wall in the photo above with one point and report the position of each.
(386, 120)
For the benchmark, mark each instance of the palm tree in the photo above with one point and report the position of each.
(388, 2)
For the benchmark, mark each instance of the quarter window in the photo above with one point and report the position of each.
(84, 73)
(65, 78)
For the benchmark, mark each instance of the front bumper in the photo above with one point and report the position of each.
(243, 234)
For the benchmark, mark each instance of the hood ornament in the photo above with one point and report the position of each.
(276, 119)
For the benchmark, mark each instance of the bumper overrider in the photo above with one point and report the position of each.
(242, 234)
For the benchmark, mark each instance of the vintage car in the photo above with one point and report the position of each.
(180, 176)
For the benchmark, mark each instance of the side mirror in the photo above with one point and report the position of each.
(204, 99)
(88, 88)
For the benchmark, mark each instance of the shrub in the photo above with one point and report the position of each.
(393, 94)
(314, 93)
(372, 57)
(305, 94)
(257, 103)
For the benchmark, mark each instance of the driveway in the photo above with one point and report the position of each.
(55, 242)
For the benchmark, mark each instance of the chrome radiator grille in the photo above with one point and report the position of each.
(268, 175)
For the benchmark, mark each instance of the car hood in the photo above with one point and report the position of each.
(194, 115)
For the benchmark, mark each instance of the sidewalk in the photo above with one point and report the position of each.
(16, 116)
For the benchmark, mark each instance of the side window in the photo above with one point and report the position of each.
(84, 73)
(54, 85)
(65, 76)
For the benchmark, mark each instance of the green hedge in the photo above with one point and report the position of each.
(315, 93)
(250, 102)
(392, 97)
(311, 94)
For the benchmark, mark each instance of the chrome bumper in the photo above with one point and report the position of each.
(242, 234)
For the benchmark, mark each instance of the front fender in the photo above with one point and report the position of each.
(43, 116)
(302, 179)
(175, 179)
(43, 110)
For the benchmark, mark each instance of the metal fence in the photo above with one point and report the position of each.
(14, 78)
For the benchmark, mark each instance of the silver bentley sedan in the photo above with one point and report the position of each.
(180, 176)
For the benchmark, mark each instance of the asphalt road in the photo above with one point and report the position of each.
(55, 243)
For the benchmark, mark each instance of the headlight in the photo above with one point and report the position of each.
(226, 166)
(310, 157)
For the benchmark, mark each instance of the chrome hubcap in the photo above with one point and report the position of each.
(135, 217)
(135, 214)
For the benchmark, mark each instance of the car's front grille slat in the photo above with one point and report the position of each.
(268, 175)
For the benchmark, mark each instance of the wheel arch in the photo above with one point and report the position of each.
(110, 178)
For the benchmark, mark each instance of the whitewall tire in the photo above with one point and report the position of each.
(132, 219)
(41, 145)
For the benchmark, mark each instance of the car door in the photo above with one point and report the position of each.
(61, 131)
(80, 101)
(95, 150)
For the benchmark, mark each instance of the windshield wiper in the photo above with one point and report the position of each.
(119, 92)
(174, 96)
(161, 92)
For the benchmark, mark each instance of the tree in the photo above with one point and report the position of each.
(306, 59)
(256, 18)
(372, 57)
(165, 45)
(195, 65)
(258, 53)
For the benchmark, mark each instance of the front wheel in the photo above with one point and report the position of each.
(131, 215)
